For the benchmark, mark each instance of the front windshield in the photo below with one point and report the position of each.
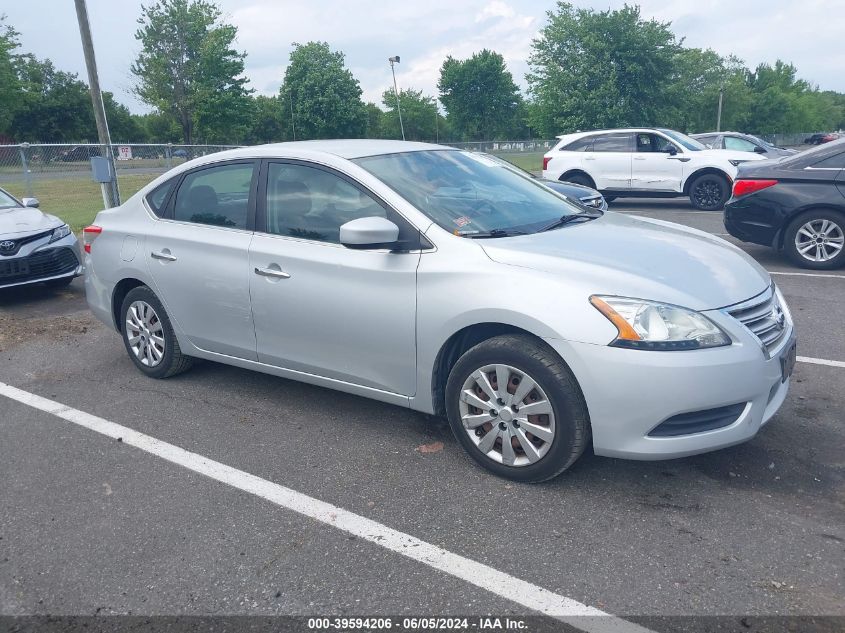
(687, 141)
(469, 194)
(761, 141)
(7, 201)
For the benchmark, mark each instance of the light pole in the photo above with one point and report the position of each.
(395, 60)
(719, 112)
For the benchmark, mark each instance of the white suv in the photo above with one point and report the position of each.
(645, 162)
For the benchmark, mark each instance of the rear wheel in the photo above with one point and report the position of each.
(816, 239)
(709, 192)
(579, 178)
(148, 335)
(516, 408)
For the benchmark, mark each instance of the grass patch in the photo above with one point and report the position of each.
(76, 201)
(529, 161)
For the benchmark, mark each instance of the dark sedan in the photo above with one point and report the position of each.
(795, 204)
(587, 196)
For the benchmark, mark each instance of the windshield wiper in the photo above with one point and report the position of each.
(566, 219)
(495, 233)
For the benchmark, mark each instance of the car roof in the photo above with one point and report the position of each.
(344, 148)
(575, 135)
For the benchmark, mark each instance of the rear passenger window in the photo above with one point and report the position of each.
(837, 161)
(218, 196)
(581, 145)
(157, 198)
(613, 143)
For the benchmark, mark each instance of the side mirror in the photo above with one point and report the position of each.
(31, 202)
(369, 233)
(759, 150)
(671, 150)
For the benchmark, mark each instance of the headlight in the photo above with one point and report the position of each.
(59, 233)
(658, 326)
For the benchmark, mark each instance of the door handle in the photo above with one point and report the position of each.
(271, 272)
(639, 157)
(163, 255)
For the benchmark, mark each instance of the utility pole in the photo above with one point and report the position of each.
(719, 112)
(292, 122)
(111, 194)
(392, 60)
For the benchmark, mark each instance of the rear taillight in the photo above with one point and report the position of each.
(744, 186)
(546, 160)
(89, 234)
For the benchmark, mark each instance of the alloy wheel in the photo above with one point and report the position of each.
(144, 333)
(707, 194)
(819, 240)
(507, 415)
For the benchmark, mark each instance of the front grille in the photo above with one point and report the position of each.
(765, 318)
(40, 265)
(17, 243)
(698, 421)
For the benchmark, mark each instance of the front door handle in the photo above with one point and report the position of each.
(271, 272)
(165, 255)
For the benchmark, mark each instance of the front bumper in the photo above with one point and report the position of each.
(41, 261)
(631, 392)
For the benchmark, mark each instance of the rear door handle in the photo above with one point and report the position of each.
(639, 157)
(271, 272)
(166, 256)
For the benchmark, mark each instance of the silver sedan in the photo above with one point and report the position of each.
(35, 247)
(439, 280)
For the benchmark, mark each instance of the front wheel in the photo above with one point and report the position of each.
(816, 239)
(516, 408)
(709, 192)
(148, 335)
(580, 179)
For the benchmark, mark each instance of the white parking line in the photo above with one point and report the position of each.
(820, 361)
(777, 272)
(525, 593)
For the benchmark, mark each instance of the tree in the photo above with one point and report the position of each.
(592, 69)
(419, 116)
(479, 95)
(124, 127)
(189, 70)
(326, 96)
(9, 82)
(269, 123)
(53, 106)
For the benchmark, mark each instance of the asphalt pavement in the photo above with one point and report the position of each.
(93, 526)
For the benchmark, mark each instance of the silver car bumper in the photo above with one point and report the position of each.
(42, 261)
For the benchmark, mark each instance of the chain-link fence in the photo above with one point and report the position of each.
(60, 176)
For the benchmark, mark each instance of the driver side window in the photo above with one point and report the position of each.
(653, 143)
(312, 204)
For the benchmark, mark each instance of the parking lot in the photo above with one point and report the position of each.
(95, 525)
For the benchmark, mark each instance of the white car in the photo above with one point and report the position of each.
(646, 162)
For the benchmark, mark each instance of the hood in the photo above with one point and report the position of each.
(730, 154)
(18, 220)
(638, 257)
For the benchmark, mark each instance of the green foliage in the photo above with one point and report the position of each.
(480, 96)
(419, 116)
(269, 122)
(599, 69)
(188, 69)
(9, 82)
(326, 97)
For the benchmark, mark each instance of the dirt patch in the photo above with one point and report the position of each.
(16, 330)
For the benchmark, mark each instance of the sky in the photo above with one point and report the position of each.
(807, 33)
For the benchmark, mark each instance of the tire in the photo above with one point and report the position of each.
(579, 179)
(823, 224)
(58, 284)
(565, 432)
(709, 192)
(164, 359)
